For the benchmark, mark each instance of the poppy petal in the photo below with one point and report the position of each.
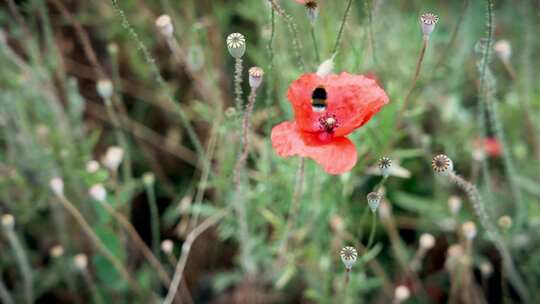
(351, 99)
(335, 156)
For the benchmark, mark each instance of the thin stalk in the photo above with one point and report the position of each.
(96, 296)
(372, 232)
(294, 207)
(98, 244)
(154, 217)
(413, 82)
(270, 70)
(342, 27)
(22, 262)
(315, 44)
(369, 10)
(161, 82)
(238, 68)
(120, 138)
(5, 296)
(239, 203)
(479, 208)
(293, 29)
(147, 253)
(186, 248)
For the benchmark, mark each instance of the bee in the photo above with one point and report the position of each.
(318, 99)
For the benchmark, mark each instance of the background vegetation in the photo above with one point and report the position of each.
(175, 184)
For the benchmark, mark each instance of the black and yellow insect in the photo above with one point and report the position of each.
(319, 99)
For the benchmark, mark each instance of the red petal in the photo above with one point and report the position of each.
(335, 156)
(352, 99)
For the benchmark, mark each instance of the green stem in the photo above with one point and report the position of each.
(154, 217)
(372, 232)
(342, 27)
(315, 44)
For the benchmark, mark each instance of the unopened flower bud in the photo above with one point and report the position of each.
(113, 157)
(486, 269)
(454, 204)
(8, 221)
(236, 44)
(255, 77)
(503, 49)
(401, 294)
(57, 186)
(98, 193)
(167, 246)
(56, 251)
(81, 261)
(427, 241)
(165, 26)
(92, 166)
(469, 230)
(104, 88)
(149, 178)
(505, 222)
(348, 256)
(326, 67)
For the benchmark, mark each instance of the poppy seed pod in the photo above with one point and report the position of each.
(442, 164)
(428, 22)
(312, 10)
(165, 26)
(385, 164)
(348, 256)
(374, 200)
(236, 44)
(255, 77)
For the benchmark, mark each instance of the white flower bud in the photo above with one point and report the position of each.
(486, 269)
(167, 246)
(255, 77)
(326, 67)
(149, 178)
(113, 157)
(81, 261)
(454, 204)
(505, 222)
(236, 44)
(104, 88)
(8, 221)
(56, 251)
(401, 294)
(98, 193)
(165, 26)
(92, 166)
(503, 49)
(427, 241)
(57, 186)
(469, 230)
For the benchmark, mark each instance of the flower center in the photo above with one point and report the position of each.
(328, 123)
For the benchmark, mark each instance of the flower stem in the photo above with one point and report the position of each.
(22, 262)
(4, 293)
(154, 217)
(372, 231)
(294, 207)
(342, 27)
(238, 68)
(98, 244)
(315, 44)
(96, 297)
(480, 210)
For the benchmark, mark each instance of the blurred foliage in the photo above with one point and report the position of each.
(53, 122)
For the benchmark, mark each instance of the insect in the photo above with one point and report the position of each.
(318, 99)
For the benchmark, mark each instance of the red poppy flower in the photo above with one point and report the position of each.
(490, 145)
(326, 109)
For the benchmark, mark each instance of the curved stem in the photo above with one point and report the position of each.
(342, 27)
